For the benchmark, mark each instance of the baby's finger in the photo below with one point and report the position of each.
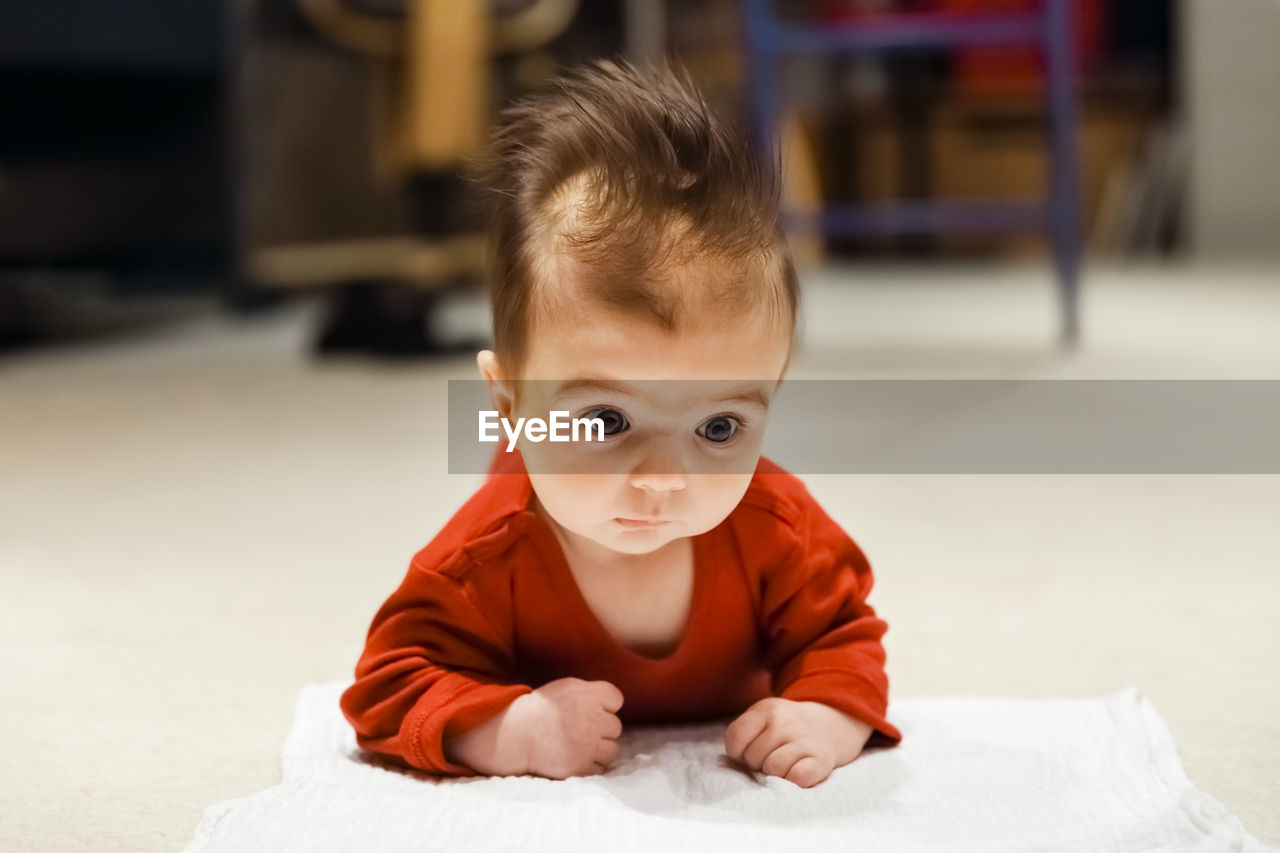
(781, 760)
(610, 696)
(611, 727)
(760, 748)
(589, 768)
(606, 752)
(742, 732)
(808, 771)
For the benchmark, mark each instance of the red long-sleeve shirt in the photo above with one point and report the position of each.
(489, 610)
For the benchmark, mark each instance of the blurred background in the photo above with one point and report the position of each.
(238, 268)
(260, 152)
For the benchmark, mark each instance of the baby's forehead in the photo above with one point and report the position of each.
(594, 343)
(687, 301)
(682, 290)
(663, 320)
(676, 397)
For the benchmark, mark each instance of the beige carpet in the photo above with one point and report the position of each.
(196, 522)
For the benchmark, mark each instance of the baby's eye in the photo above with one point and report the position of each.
(614, 421)
(719, 429)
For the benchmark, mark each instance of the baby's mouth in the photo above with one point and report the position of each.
(640, 523)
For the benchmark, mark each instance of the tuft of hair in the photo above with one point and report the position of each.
(605, 187)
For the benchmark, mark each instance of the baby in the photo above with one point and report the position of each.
(667, 572)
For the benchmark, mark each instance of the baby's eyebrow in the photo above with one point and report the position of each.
(578, 386)
(749, 395)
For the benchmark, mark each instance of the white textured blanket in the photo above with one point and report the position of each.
(971, 774)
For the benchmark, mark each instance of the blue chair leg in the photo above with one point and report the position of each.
(1064, 179)
(761, 63)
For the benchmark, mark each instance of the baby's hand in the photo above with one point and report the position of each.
(572, 727)
(801, 742)
(567, 727)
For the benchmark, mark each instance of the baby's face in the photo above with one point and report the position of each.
(678, 455)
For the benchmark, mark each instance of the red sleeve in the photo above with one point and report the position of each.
(433, 666)
(824, 639)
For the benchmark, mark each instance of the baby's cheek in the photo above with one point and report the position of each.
(723, 493)
(571, 498)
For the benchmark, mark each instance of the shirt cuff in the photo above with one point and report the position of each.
(430, 724)
(850, 693)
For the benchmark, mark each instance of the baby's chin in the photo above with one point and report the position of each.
(640, 541)
(634, 547)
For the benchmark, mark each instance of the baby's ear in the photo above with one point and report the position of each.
(487, 361)
(499, 390)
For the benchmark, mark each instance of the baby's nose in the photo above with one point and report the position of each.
(658, 481)
(659, 467)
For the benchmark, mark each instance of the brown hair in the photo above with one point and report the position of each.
(626, 175)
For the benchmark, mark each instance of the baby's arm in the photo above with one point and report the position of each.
(824, 650)
(435, 688)
(433, 667)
